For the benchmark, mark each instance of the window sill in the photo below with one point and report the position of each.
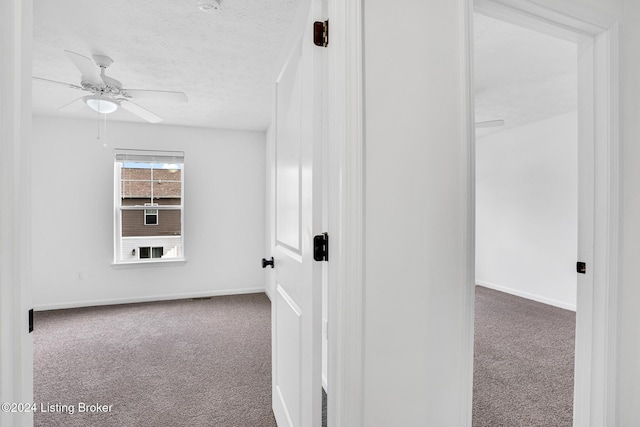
(151, 263)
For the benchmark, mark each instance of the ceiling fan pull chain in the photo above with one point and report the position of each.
(104, 129)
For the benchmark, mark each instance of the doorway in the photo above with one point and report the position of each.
(598, 191)
(526, 224)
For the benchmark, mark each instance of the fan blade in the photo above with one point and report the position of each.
(73, 105)
(490, 124)
(72, 86)
(156, 95)
(87, 67)
(134, 108)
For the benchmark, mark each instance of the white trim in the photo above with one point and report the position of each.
(287, 298)
(470, 138)
(16, 345)
(345, 126)
(120, 152)
(569, 25)
(614, 232)
(287, 415)
(151, 262)
(157, 207)
(292, 253)
(601, 371)
(148, 237)
(521, 294)
(596, 324)
(166, 297)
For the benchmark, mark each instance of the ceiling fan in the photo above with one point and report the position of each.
(107, 93)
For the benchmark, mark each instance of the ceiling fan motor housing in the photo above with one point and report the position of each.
(110, 86)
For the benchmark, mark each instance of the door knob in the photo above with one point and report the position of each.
(267, 262)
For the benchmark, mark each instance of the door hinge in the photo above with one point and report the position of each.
(321, 247)
(321, 33)
(581, 267)
(31, 320)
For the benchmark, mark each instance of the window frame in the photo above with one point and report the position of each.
(122, 156)
(156, 214)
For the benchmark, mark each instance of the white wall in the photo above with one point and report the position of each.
(413, 84)
(16, 344)
(416, 204)
(629, 295)
(269, 188)
(527, 210)
(72, 196)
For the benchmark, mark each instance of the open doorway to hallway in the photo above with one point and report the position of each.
(526, 86)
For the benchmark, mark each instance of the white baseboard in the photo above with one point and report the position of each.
(115, 301)
(526, 295)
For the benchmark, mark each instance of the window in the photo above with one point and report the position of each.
(151, 217)
(148, 184)
(149, 252)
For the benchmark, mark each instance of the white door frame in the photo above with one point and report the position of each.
(597, 38)
(16, 350)
(595, 366)
(345, 131)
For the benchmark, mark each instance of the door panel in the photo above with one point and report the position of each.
(288, 167)
(288, 347)
(296, 305)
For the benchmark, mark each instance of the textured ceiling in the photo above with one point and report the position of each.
(224, 60)
(521, 76)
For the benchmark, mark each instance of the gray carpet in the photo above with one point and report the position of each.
(524, 362)
(324, 408)
(175, 363)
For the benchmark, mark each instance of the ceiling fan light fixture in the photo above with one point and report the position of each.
(100, 104)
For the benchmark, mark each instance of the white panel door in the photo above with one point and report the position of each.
(296, 302)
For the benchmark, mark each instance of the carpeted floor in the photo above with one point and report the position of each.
(208, 363)
(524, 362)
(324, 408)
(176, 363)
